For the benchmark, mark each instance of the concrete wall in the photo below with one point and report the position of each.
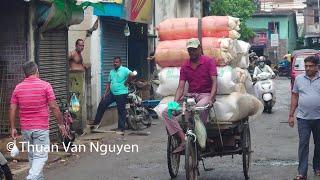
(95, 57)
(176, 9)
(311, 27)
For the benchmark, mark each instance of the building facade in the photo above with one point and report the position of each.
(276, 33)
(280, 5)
(21, 40)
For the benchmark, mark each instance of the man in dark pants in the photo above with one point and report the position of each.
(305, 98)
(116, 91)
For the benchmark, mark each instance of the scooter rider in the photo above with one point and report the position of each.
(262, 67)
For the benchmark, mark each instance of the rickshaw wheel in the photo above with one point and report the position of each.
(173, 160)
(246, 150)
(191, 160)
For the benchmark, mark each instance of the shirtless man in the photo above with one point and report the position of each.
(75, 57)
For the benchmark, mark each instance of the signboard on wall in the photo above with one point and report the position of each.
(274, 40)
(260, 39)
(139, 11)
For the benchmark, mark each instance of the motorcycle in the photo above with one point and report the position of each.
(284, 68)
(265, 90)
(137, 114)
(5, 172)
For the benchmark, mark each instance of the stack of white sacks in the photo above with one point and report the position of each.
(232, 59)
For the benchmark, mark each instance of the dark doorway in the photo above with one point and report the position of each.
(138, 49)
(259, 50)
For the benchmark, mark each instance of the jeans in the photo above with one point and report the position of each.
(121, 101)
(305, 127)
(37, 153)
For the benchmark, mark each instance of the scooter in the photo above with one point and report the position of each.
(265, 91)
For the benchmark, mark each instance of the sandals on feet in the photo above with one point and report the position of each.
(300, 177)
(180, 148)
(317, 172)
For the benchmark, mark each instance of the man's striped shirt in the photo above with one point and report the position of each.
(32, 97)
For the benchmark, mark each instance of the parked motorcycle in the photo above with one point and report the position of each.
(5, 172)
(137, 114)
(265, 90)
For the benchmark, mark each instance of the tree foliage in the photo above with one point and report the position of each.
(242, 9)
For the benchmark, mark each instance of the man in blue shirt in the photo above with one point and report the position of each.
(305, 98)
(116, 91)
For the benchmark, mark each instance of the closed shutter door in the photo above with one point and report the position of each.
(53, 67)
(114, 43)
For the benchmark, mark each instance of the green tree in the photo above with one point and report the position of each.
(242, 9)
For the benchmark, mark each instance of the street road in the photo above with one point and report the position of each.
(274, 144)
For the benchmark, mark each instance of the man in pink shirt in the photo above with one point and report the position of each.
(201, 74)
(32, 97)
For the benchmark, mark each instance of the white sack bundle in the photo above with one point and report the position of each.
(243, 77)
(241, 49)
(234, 107)
(226, 77)
(169, 81)
(163, 105)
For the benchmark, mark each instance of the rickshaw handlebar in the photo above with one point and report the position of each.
(202, 108)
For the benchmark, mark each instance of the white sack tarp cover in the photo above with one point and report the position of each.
(200, 131)
(226, 77)
(234, 107)
(242, 54)
(243, 78)
(163, 105)
(169, 81)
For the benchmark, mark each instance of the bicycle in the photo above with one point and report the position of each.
(67, 119)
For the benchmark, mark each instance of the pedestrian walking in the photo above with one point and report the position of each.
(32, 97)
(305, 99)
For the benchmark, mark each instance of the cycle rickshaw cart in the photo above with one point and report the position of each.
(222, 140)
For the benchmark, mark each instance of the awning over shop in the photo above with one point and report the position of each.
(56, 14)
(130, 10)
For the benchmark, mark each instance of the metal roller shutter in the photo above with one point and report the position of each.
(114, 43)
(53, 66)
